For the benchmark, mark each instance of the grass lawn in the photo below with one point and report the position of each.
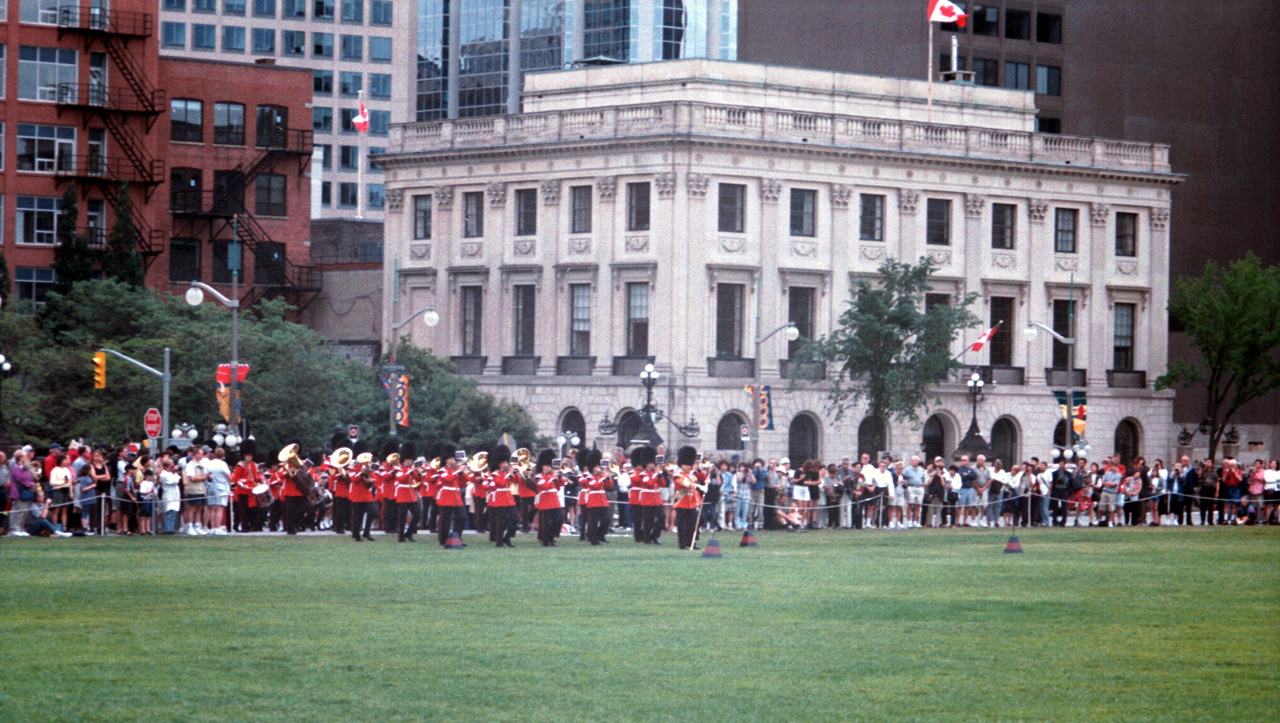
(1089, 625)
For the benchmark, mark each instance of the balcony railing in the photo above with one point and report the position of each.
(101, 20)
(575, 366)
(469, 364)
(630, 366)
(520, 365)
(724, 366)
(1066, 378)
(1126, 379)
(92, 95)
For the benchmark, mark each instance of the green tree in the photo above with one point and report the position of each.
(5, 281)
(891, 352)
(73, 259)
(121, 260)
(1232, 314)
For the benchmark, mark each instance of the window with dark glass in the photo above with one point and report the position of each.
(525, 317)
(264, 8)
(637, 319)
(1048, 125)
(353, 11)
(379, 50)
(1064, 230)
(422, 217)
(232, 39)
(986, 71)
(1003, 225)
(580, 209)
(871, 218)
(270, 195)
(186, 123)
(322, 120)
(184, 189)
(184, 259)
(1048, 28)
(349, 158)
(348, 194)
(526, 211)
(1122, 359)
(804, 212)
(729, 308)
(294, 8)
(579, 319)
(800, 303)
(1048, 80)
(1126, 234)
(1017, 75)
(233, 7)
(322, 10)
(293, 42)
(322, 82)
(1017, 24)
(472, 313)
(380, 12)
(1000, 347)
(228, 123)
(264, 41)
(352, 47)
(637, 206)
(322, 45)
(268, 263)
(1064, 324)
(273, 126)
(379, 85)
(985, 20)
(733, 207)
(228, 191)
(938, 223)
(473, 214)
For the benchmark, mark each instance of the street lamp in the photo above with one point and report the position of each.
(184, 432)
(973, 444)
(5, 368)
(1073, 444)
(650, 414)
(225, 435)
(757, 393)
(430, 317)
(195, 297)
(567, 438)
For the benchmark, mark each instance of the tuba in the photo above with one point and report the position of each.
(393, 458)
(289, 455)
(364, 458)
(341, 458)
(524, 461)
(435, 463)
(479, 462)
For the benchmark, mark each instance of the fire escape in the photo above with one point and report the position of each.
(119, 110)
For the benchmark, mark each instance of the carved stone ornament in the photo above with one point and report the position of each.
(1039, 209)
(420, 252)
(444, 198)
(526, 247)
(637, 243)
(550, 193)
(872, 253)
(696, 184)
(804, 248)
(497, 192)
(1159, 219)
(840, 195)
(770, 191)
(395, 199)
(908, 201)
(940, 257)
(1127, 268)
(1003, 261)
(733, 244)
(973, 205)
(1067, 264)
(666, 184)
(607, 187)
(471, 248)
(580, 245)
(1099, 213)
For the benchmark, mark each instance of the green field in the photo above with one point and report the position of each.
(1088, 625)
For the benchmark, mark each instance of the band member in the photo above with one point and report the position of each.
(651, 498)
(449, 496)
(296, 479)
(386, 478)
(527, 501)
(429, 485)
(340, 484)
(688, 495)
(243, 479)
(548, 483)
(362, 494)
(644, 497)
(275, 513)
(595, 485)
(408, 504)
(501, 503)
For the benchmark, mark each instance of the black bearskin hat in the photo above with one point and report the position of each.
(249, 446)
(361, 447)
(687, 456)
(338, 440)
(593, 459)
(642, 457)
(500, 454)
(389, 448)
(446, 452)
(545, 458)
(408, 452)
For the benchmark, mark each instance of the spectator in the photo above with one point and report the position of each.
(993, 492)
(6, 476)
(61, 486)
(86, 492)
(759, 483)
(24, 493)
(171, 493)
(1207, 492)
(966, 498)
(981, 488)
(218, 489)
(39, 524)
(743, 492)
(193, 489)
(100, 473)
(1059, 492)
(1271, 491)
(1158, 507)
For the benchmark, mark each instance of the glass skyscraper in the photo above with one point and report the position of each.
(465, 47)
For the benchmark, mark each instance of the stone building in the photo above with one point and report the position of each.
(677, 212)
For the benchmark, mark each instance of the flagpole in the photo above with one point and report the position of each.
(360, 161)
(930, 78)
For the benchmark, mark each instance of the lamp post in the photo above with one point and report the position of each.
(5, 368)
(567, 438)
(195, 297)
(650, 415)
(757, 392)
(1073, 444)
(429, 317)
(225, 434)
(184, 433)
(973, 444)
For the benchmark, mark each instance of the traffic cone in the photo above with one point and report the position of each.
(748, 539)
(712, 550)
(453, 542)
(1013, 546)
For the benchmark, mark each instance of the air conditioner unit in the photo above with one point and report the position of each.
(49, 16)
(45, 165)
(47, 92)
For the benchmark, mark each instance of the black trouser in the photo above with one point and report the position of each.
(527, 511)
(1180, 506)
(240, 505)
(362, 514)
(412, 510)
(341, 514)
(686, 526)
(949, 507)
(549, 524)
(430, 513)
(1058, 507)
(770, 514)
(452, 519)
(654, 522)
(596, 524)
(1035, 510)
(503, 522)
(481, 521)
(276, 512)
(1205, 503)
(639, 521)
(388, 519)
(294, 509)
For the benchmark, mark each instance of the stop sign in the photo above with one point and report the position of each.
(151, 423)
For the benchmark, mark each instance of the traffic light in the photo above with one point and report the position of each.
(100, 370)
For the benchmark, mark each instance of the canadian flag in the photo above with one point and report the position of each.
(945, 11)
(361, 121)
(986, 337)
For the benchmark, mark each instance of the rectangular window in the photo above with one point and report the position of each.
(804, 212)
(374, 166)
(322, 82)
(379, 122)
(33, 284)
(1003, 225)
(524, 298)
(1048, 28)
(349, 158)
(268, 263)
(376, 195)
(637, 206)
(294, 8)
(733, 207)
(232, 39)
(322, 120)
(352, 83)
(985, 20)
(638, 319)
(348, 195)
(326, 193)
(1064, 230)
(322, 45)
(264, 8)
(1122, 359)
(184, 259)
(871, 220)
(800, 303)
(938, 231)
(473, 214)
(204, 36)
(322, 153)
(1017, 24)
(472, 313)
(422, 217)
(580, 209)
(580, 320)
(1048, 125)
(264, 41)
(729, 307)
(42, 70)
(37, 220)
(526, 211)
(186, 124)
(46, 149)
(184, 189)
(204, 6)
(1064, 324)
(173, 35)
(322, 10)
(1017, 75)
(228, 191)
(271, 198)
(379, 50)
(352, 47)
(353, 11)
(986, 71)
(228, 124)
(1048, 80)
(273, 126)
(233, 7)
(178, 5)
(293, 42)
(379, 85)
(1001, 345)
(380, 12)
(1126, 234)
(347, 119)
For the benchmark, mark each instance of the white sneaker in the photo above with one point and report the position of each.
(191, 530)
(62, 534)
(220, 532)
(19, 533)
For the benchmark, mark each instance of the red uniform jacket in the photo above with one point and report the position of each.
(340, 483)
(498, 489)
(649, 495)
(360, 490)
(451, 482)
(594, 488)
(429, 484)
(245, 477)
(290, 487)
(686, 482)
(548, 491)
(406, 482)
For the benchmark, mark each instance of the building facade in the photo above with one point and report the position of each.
(675, 213)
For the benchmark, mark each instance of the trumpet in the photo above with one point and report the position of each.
(479, 462)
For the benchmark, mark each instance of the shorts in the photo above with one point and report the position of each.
(1107, 502)
(195, 500)
(60, 496)
(1271, 496)
(966, 497)
(664, 493)
(982, 498)
(1231, 494)
(800, 493)
(915, 495)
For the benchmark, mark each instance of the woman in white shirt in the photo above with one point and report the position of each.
(1271, 491)
(1159, 505)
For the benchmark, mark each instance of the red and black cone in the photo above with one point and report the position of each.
(748, 539)
(712, 550)
(453, 542)
(1013, 546)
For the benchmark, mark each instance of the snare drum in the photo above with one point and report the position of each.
(262, 495)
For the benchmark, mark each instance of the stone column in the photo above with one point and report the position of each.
(1039, 252)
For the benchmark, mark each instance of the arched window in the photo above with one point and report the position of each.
(1004, 442)
(934, 439)
(1127, 442)
(729, 432)
(871, 437)
(572, 421)
(628, 428)
(802, 441)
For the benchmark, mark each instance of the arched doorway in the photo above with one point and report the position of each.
(1128, 439)
(872, 439)
(934, 438)
(802, 442)
(729, 432)
(1060, 434)
(572, 421)
(1004, 441)
(628, 427)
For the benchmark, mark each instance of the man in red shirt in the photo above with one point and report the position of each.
(408, 504)
(594, 486)
(498, 498)
(550, 509)
(361, 493)
(449, 495)
(688, 490)
(243, 479)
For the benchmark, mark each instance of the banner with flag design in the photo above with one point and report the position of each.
(764, 413)
(1079, 412)
(361, 121)
(397, 388)
(986, 337)
(223, 393)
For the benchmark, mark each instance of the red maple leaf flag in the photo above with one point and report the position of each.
(945, 11)
(361, 121)
(986, 337)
